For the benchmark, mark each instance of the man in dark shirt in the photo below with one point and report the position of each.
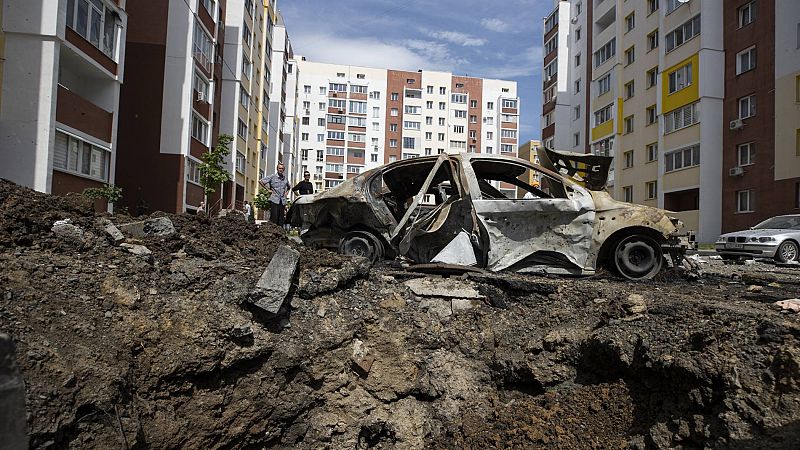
(304, 187)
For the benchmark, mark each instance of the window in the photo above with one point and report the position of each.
(429, 89)
(489, 135)
(551, 22)
(551, 45)
(429, 104)
(680, 78)
(441, 136)
(192, 170)
(429, 120)
(627, 193)
(576, 112)
(506, 148)
(395, 96)
(323, 90)
(357, 121)
(337, 87)
(244, 97)
(410, 81)
(442, 106)
(96, 22)
(321, 106)
(306, 105)
(442, 90)
(683, 33)
(508, 134)
(576, 139)
(652, 40)
(393, 127)
(428, 135)
(242, 129)
(376, 112)
(336, 104)
(602, 115)
(357, 89)
(577, 60)
(652, 152)
(248, 6)
(490, 105)
(605, 52)
(356, 137)
(409, 142)
(745, 201)
(651, 77)
(746, 154)
(375, 95)
(651, 114)
(577, 85)
(508, 103)
(627, 124)
(241, 162)
(672, 5)
(458, 129)
(78, 156)
(458, 144)
(203, 47)
(393, 143)
(682, 158)
(358, 107)
(550, 70)
(337, 135)
(473, 119)
(629, 90)
(628, 159)
(307, 89)
(334, 151)
(630, 55)
(361, 76)
(604, 84)
(680, 118)
(651, 187)
(408, 125)
(747, 106)
(321, 137)
(394, 112)
(441, 121)
(630, 22)
(353, 169)
(304, 121)
(459, 98)
(412, 109)
(201, 87)
(320, 155)
(247, 67)
(373, 157)
(473, 103)
(334, 168)
(746, 60)
(321, 122)
(335, 119)
(577, 34)
(652, 6)
(747, 14)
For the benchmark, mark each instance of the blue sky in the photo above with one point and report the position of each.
(500, 39)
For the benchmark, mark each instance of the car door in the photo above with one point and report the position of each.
(528, 227)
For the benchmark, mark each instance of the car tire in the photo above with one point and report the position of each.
(362, 243)
(637, 257)
(787, 251)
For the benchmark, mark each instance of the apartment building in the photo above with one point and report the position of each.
(761, 139)
(353, 118)
(283, 96)
(566, 70)
(170, 104)
(529, 151)
(64, 65)
(245, 85)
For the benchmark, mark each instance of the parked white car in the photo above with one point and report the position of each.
(777, 237)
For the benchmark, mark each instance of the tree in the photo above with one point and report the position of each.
(212, 170)
(110, 193)
(262, 199)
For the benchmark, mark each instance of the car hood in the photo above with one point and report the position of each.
(760, 233)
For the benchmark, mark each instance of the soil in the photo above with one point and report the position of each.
(119, 350)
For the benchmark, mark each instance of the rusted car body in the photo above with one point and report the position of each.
(478, 210)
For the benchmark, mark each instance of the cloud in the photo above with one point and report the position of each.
(373, 52)
(458, 38)
(496, 25)
(523, 64)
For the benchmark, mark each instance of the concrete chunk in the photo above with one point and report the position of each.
(136, 249)
(276, 281)
(442, 287)
(160, 226)
(112, 231)
(67, 231)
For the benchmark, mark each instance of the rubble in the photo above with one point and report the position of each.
(273, 287)
(159, 226)
(119, 350)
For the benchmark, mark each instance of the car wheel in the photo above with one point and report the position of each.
(362, 243)
(638, 257)
(787, 251)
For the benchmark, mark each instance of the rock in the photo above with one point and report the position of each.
(322, 280)
(760, 279)
(321, 312)
(276, 280)
(635, 304)
(108, 314)
(458, 305)
(791, 304)
(112, 231)
(138, 250)
(12, 398)
(437, 306)
(394, 301)
(443, 287)
(361, 358)
(68, 232)
(241, 331)
(754, 288)
(159, 226)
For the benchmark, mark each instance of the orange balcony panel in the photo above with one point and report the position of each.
(352, 144)
(358, 129)
(335, 110)
(194, 194)
(90, 50)
(510, 111)
(358, 96)
(508, 141)
(207, 20)
(196, 148)
(333, 159)
(334, 143)
(336, 126)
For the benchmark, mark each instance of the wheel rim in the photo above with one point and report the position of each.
(789, 251)
(636, 258)
(358, 246)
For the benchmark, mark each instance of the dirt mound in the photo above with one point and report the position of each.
(121, 349)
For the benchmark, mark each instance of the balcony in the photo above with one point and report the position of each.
(79, 113)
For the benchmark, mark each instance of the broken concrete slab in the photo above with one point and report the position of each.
(159, 226)
(791, 304)
(464, 304)
(459, 251)
(67, 231)
(136, 249)
(273, 287)
(322, 280)
(13, 427)
(443, 287)
(439, 307)
(112, 231)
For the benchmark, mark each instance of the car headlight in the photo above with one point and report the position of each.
(766, 239)
(720, 240)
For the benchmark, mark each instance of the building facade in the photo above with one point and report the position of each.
(356, 118)
(60, 92)
(761, 142)
(566, 70)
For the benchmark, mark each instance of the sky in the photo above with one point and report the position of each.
(486, 39)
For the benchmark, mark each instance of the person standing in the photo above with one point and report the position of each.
(278, 186)
(304, 187)
(248, 212)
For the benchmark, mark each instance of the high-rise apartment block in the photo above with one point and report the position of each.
(670, 91)
(355, 118)
(64, 64)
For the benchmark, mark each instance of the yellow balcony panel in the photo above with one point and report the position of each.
(685, 96)
(603, 130)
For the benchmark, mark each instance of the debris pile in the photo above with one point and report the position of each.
(188, 332)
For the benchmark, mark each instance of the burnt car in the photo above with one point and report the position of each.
(777, 237)
(492, 212)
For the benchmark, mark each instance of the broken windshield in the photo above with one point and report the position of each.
(508, 180)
